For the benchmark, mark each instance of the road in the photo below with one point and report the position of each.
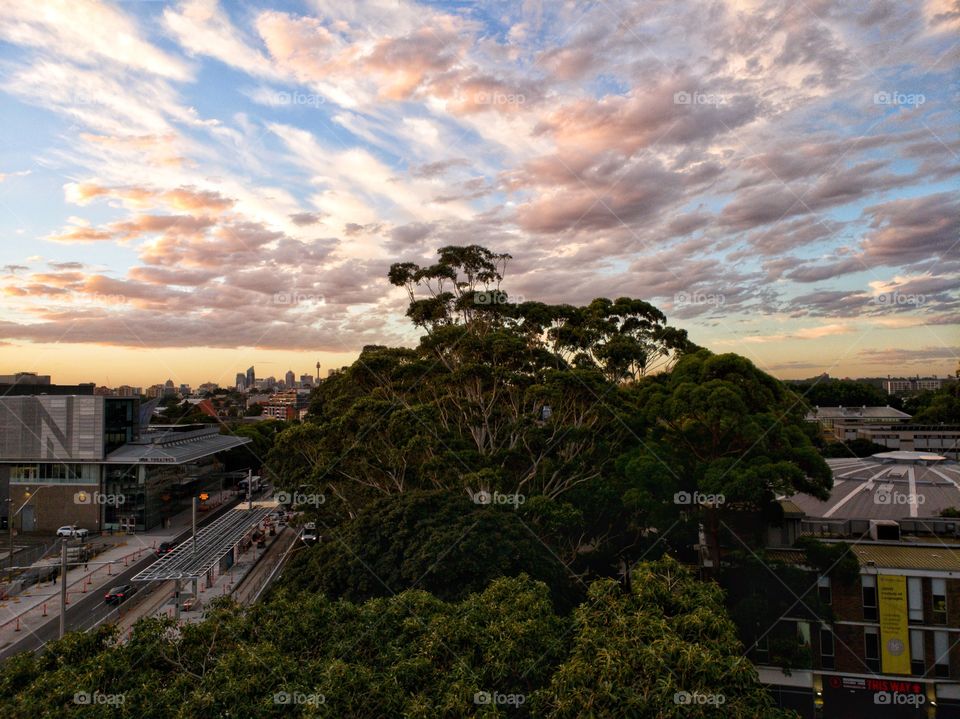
(91, 610)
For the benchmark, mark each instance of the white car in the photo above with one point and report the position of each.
(69, 531)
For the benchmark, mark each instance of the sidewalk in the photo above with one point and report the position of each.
(24, 612)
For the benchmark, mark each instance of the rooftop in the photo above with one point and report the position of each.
(213, 542)
(163, 446)
(872, 488)
(863, 412)
(887, 555)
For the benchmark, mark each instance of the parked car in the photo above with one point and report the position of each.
(119, 594)
(164, 548)
(73, 531)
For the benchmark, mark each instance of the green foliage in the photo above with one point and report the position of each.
(834, 559)
(940, 407)
(852, 448)
(439, 541)
(523, 398)
(843, 393)
(716, 425)
(633, 654)
(410, 655)
(263, 435)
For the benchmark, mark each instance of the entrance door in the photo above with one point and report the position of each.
(28, 518)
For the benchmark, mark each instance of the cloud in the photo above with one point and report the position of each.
(86, 31)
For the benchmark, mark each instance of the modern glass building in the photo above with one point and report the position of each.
(88, 460)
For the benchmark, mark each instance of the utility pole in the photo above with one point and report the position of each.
(249, 494)
(10, 535)
(63, 587)
(193, 512)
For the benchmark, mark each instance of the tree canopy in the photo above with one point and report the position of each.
(501, 652)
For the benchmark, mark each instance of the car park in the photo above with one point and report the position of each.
(119, 594)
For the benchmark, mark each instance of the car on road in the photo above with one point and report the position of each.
(73, 531)
(309, 533)
(119, 594)
(164, 548)
(191, 604)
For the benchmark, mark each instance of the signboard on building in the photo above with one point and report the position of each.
(894, 631)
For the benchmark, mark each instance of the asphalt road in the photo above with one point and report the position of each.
(91, 610)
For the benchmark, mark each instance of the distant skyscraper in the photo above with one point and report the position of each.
(251, 378)
(241, 381)
(290, 379)
(306, 380)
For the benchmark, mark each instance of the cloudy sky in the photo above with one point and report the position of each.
(190, 188)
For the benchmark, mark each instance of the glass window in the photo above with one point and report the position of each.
(915, 598)
(803, 633)
(871, 648)
(917, 663)
(938, 591)
(824, 590)
(826, 648)
(869, 583)
(941, 654)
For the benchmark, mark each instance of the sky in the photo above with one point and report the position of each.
(190, 188)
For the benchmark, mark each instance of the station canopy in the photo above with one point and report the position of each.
(214, 541)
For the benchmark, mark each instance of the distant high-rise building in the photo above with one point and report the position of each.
(184, 390)
(306, 380)
(251, 378)
(169, 389)
(290, 379)
(241, 383)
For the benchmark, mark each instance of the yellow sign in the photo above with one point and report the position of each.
(894, 631)
(204, 497)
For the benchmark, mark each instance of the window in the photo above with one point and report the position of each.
(871, 648)
(917, 663)
(915, 598)
(869, 584)
(941, 655)
(803, 634)
(938, 590)
(824, 591)
(826, 649)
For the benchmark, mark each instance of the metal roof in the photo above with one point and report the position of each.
(870, 489)
(899, 556)
(858, 413)
(213, 542)
(887, 556)
(174, 451)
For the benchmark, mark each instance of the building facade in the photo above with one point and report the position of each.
(89, 460)
(843, 423)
